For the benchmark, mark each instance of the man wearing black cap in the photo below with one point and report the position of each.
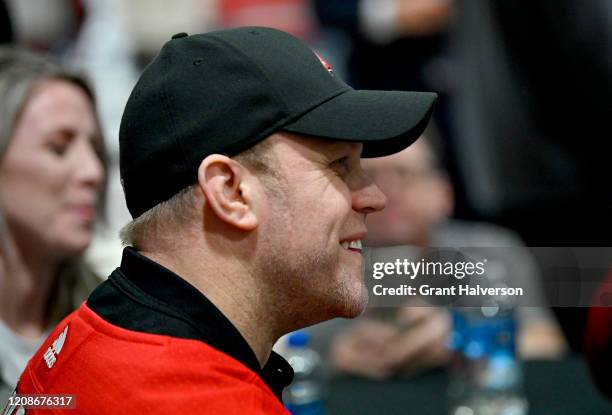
(240, 161)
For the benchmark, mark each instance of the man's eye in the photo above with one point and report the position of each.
(342, 165)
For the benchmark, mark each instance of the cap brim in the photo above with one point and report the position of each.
(384, 121)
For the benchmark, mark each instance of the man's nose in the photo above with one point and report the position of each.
(369, 198)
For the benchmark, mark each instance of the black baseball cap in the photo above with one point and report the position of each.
(224, 91)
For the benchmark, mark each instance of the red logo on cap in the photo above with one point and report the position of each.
(325, 64)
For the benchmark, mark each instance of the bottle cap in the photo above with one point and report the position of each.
(299, 338)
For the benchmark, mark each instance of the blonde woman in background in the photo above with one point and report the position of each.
(52, 176)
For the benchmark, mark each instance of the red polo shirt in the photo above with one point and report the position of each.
(147, 342)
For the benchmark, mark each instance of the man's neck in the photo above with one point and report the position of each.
(233, 292)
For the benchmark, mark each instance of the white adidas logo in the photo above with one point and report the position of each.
(54, 350)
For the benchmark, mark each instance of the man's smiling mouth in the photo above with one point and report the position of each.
(352, 245)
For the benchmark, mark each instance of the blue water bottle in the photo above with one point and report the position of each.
(485, 373)
(305, 394)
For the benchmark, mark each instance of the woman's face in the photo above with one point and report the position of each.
(50, 175)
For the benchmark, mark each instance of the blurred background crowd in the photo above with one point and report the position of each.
(517, 153)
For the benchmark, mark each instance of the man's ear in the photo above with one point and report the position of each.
(223, 182)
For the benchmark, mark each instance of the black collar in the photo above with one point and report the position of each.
(141, 295)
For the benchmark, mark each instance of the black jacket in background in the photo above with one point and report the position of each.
(6, 29)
